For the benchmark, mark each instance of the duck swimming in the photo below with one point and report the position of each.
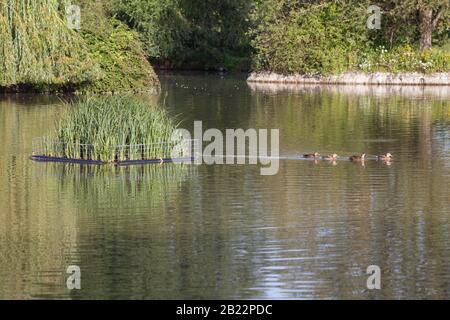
(311, 155)
(332, 157)
(358, 158)
(385, 157)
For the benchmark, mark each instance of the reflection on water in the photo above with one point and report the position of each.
(422, 92)
(225, 231)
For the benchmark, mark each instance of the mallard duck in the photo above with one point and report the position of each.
(332, 157)
(358, 158)
(311, 155)
(385, 157)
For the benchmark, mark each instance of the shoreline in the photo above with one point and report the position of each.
(420, 92)
(352, 78)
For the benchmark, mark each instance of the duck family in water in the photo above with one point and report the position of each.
(355, 158)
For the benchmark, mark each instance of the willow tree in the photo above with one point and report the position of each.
(37, 47)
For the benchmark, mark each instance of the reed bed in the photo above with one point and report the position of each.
(112, 129)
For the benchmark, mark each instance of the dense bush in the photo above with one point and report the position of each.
(329, 37)
(116, 50)
(190, 33)
(308, 38)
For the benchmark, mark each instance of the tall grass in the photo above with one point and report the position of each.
(113, 128)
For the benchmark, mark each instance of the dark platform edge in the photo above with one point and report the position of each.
(43, 158)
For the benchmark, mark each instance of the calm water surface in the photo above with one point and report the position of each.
(225, 231)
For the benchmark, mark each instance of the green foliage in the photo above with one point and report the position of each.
(37, 49)
(159, 22)
(117, 50)
(406, 59)
(445, 46)
(286, 36)
(308, 39)
(331, 37)
(190, 33)
(401, 22)
(112, 128)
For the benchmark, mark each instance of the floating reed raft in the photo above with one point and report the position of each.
(121, 130)
(48, 150)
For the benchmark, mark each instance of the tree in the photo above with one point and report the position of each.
(190, 33)
(429, 14)
(37, 48)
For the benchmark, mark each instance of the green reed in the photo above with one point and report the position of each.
(113, 128)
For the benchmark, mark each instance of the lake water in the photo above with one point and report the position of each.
(225, 231)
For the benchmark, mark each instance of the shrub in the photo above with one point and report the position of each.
(117, 51)
(190, 33)
(406, 59)
(308, 38)
(331, 37)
